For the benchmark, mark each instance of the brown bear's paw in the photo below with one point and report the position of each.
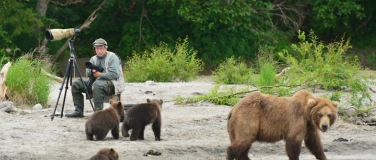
(125, 134)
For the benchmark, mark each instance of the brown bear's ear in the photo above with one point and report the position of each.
(111, 101)
(148, 100)
(161, 101)
(335, 104)
(112, 150)
(119, 104)
(311, 103)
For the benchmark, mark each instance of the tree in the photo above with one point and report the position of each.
(17, 22)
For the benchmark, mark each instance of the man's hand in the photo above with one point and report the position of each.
(96, 73)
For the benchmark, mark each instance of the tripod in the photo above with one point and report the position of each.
(68, 78)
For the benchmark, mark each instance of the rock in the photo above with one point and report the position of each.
(6, 104)
(340, 140)
(150, 83)
(37, 107)
(7, 107)
(358, 122)
(151, 152)
(372, 119)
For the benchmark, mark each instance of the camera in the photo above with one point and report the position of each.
(92, 66)
(57, 34)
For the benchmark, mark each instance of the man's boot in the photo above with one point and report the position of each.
(78, 101)
(78, 113)
(98, 106)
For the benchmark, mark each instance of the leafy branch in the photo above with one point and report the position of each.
(86, 24)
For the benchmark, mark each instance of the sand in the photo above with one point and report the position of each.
(191, 131)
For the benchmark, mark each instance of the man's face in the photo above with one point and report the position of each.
(100, 50)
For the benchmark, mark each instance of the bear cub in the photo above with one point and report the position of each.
(106, 154)
(101, 122)
(139, 116)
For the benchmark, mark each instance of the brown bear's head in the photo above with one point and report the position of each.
(110, 153)
(118, 107)
(159, 102)
(323, 113)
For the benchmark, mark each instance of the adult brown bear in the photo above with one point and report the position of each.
(267, 118)
(106, 154)
(101, 122)
(139, 116)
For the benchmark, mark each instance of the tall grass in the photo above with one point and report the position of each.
(267, 74)
(26, 83)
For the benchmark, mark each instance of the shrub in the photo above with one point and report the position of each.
(325, 66)
(185, 64)
(3, 58)
(232, 71)
(163, 65)
(313, 65)
(26, 83)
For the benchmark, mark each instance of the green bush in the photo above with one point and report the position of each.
(336, 96)
(163, 65)
(325, 66)
(185, 64)
(312, 65)
(3, 58)
(26, 83)
(233, 71)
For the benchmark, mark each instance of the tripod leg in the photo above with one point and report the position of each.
(85, 87)
(69, 78)
(67, 70)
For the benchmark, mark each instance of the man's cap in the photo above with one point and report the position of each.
(99, 42)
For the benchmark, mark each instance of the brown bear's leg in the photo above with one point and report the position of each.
(89, 137)
(244, 155)
(100, 135)
(135, 133)
(293, 147)
(141, 136)
(125, 128)
(157, 129)
(313, 143)
(238, 150)
(115, 132)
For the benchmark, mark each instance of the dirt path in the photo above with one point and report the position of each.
(195, 131)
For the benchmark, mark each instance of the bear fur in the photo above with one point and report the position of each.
(267, 118)
(101, 122)
(106, 154)
(139, 116)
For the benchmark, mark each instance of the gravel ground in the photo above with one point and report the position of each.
(193, 131)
